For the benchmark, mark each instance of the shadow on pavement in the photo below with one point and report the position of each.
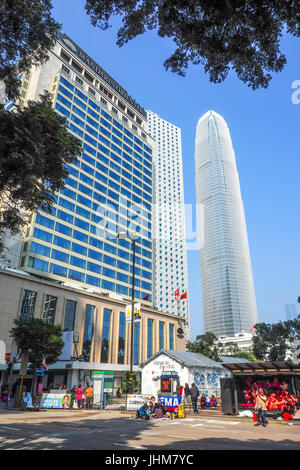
(114, 433)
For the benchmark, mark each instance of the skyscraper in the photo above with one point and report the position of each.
(169, 235)
(108, 190)
(290, 311)
(228, 297)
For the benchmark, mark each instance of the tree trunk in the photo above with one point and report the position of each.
(33, 384)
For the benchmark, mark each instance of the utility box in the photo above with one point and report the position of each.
(103, 386)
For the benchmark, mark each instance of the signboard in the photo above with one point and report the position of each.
(166, 385)
(136, 313)
(55, 400)
(134, 402)
(170, 403)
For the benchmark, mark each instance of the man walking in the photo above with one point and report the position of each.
(194, 397)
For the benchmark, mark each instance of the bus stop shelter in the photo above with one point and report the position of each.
(276, 378)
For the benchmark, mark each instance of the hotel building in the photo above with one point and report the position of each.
(108, 190)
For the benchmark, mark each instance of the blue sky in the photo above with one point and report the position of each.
(264, 127)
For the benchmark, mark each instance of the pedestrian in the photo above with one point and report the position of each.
(213, 401)
(288, 412)
(194, 397)
(203, 401)
(89, 396)
(79, 396)
(187, 392)
(73, 395)
(5, 397)
(261, 407)
(143, 412)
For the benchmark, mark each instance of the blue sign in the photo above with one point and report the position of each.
(170, 402)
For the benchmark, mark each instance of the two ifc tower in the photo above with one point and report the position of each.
(228, 297)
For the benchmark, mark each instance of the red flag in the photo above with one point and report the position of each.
(146, 297)
(184, 295)
(176, 293)
(253, 327)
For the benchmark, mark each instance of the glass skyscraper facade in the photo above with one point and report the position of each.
(228, 297)
(108, 190)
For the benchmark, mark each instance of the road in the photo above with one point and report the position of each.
(90, 430)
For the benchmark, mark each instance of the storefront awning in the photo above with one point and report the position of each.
(268, 367)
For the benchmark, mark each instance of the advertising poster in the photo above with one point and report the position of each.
(55, 400)
(278, 390)
(170, 403)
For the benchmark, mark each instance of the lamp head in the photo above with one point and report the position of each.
(122, 235)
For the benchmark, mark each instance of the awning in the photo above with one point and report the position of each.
(261, 368)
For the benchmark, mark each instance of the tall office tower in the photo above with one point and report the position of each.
(109, 189)
(228, 297)
(169, 236)
(290, 311)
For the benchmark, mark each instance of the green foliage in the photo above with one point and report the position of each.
(242, 35)
(38, 339)
(206, 344)
(136, 384)
(271, 341)
(35, 145)
(231, 349)
(27, 32)
(209, 346)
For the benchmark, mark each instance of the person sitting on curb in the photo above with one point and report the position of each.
(143, 412)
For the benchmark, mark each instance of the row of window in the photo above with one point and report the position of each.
(84, 237)
(80, 276)
(124, 108)
(49, 311)
(86, 101)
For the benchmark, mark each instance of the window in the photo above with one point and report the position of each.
(88, 331)
(49, 309)
(58, 270)
(69, 319)
(121, 345)
(76, 275)
(40, 249)
(161, 334)
(28, 304)
(171, 336)
(37, 264)
(76, 66)
(105, 335)
(149, 338)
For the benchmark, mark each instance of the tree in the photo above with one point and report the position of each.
(272, 341)
(136, 384)
(206, 344)
(27, 32)
(242, 35)
(231, 349)
(37, 340)
(35, 147)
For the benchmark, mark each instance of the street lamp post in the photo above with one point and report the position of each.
(122, 236)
